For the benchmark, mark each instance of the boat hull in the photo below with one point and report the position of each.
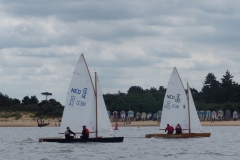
(79, 140)
(183, 135)
(43, 124)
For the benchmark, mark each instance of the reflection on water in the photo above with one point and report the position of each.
(22, 143)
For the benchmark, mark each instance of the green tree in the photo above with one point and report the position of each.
(162, 89)
(226, 86)
(33, 100)
(235, 93)
(5, 101)
(211, 89)
(135, 89)
(25, 100)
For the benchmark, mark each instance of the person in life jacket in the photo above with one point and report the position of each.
(85, 133)
(178, 129)
(116, 126)
(68, 133)
(170, 129)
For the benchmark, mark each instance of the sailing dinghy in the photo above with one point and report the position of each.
(85, 106)
(179, 108)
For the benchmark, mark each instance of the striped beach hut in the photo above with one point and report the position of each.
(130, 115)
(201, 115)
(214, 116)
(220, 115)
(149, 116)
(235, 115)
(122, 116)
(228, 115)
(154, 117)
(208, 115)
(159, 115)
(115, 116)
(144, 116)
(138, 116)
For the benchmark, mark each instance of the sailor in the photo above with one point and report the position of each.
(170, 129)
(85, 133)
(68, 133)
(178, 129)
(116, 126)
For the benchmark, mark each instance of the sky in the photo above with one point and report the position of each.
(128, 43)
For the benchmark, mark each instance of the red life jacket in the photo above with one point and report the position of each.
(170, 129)
(178, 128)
(87, 131)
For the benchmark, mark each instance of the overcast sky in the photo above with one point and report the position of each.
(127, 42)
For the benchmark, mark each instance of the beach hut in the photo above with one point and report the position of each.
(122, 116)
(235, 115)
(214, 116)
(208, 115)
(144, 116)
(227, 115)
(130, 115)
(154, 118)
(138, 116)
(201, 115)
(159, 114)
(149, 116)
(109, 113)
(115, 116)
(220, 115)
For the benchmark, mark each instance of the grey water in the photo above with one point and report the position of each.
(21, 143)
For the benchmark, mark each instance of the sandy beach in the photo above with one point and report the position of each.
(25, 121)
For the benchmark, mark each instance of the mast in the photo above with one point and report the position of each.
(188, 108)
(96, 104)
(95, 90)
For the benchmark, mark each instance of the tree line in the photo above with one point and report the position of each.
(214, 95)
(45, 108)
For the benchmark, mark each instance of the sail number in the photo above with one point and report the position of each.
(72, 99)
(78, 91)
(168, 105)
(177, 99)
(81, 103)
(84, 93)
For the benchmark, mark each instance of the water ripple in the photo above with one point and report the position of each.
(222, 145)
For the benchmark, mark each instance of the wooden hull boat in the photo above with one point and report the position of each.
(179, 110)
(79, 140)
(183, 135)
(43, 124)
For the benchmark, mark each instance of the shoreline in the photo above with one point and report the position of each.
(55, 123)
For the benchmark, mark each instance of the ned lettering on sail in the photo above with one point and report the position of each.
(77, 91)
(171, 96)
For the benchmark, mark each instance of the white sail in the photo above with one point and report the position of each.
(195, 124)
(80, 106)
(104, 125)
(175, 105)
